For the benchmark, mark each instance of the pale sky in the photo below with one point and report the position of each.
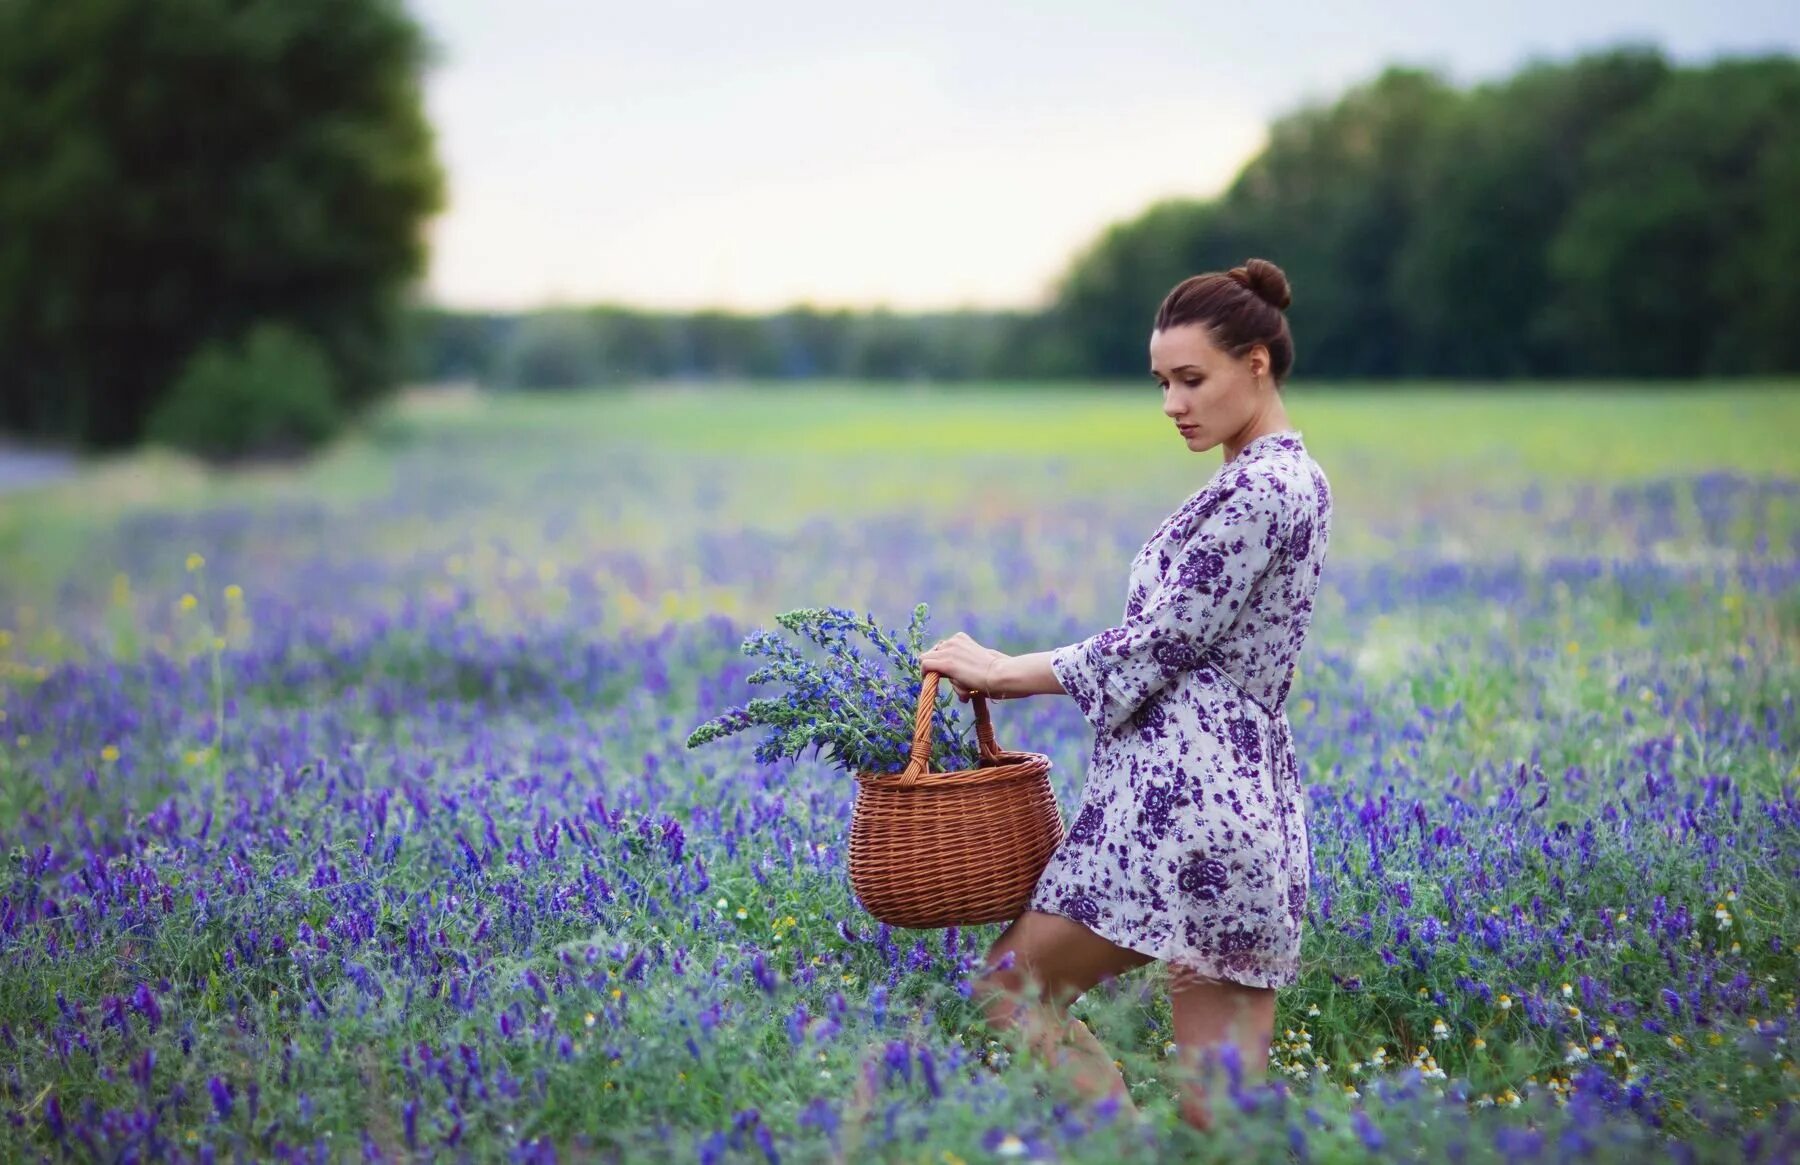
(918, 155)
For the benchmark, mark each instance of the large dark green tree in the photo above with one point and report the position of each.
(1472, 279)
(1681, 256)
(1332, 199)
(1613, 215)
(1106, 301)
(172, 173)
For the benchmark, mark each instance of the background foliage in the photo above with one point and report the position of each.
(172, 173)
(1612, 215)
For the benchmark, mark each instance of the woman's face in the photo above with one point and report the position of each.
(1208, 393)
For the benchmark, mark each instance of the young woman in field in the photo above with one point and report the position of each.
(1190, 846)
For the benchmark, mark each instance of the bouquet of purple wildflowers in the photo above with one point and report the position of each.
(858, 706)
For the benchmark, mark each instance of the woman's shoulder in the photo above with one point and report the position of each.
(1288, 476)
(1253, 493)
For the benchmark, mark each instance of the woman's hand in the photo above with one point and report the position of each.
(965, 663)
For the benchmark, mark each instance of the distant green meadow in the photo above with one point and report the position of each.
(348, 813)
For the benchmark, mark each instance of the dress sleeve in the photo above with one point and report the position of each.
(1202, 587)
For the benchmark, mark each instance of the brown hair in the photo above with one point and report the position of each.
(1240, 307)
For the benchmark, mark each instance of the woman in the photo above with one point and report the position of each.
(1190, 846)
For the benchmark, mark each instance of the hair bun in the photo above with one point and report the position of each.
(1268, 281)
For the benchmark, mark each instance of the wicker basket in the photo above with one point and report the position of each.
(952, 849)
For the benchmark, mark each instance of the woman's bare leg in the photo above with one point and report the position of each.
(1054, 961)
(1208, 1014)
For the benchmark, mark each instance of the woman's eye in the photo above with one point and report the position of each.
(1191, 383)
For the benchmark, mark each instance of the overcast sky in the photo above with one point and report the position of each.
(921, 154)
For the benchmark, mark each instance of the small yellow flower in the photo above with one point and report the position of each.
(196, 756)
(5, 639)
(189, 602)
(588, 1019)
(1567, 990)
(742, 913)
(1479, 1043)
(234, 593)
(1506, 1003)
(1573, 647)
(616, 993)
(110, 753)
(195, 562)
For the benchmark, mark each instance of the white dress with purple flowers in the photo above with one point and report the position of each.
(1190, 844)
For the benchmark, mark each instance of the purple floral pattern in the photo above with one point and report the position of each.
(1191, 843)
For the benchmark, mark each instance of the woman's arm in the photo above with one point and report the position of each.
(1205, 582)
(970, 666)
(1022, 675)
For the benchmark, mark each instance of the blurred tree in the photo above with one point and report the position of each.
(271, 395)
(1471, 280)
(172, 173)
(1332, 199)
(1679, 258)
(454, 345)
(1106, 300)
(554, 349)
(1611, 215)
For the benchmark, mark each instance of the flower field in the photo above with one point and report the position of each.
(348, 814)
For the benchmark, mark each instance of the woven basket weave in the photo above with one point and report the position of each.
(961, 848)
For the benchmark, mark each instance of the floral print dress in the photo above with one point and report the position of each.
(1190, 844)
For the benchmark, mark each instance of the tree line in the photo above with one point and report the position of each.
(1611, 215)
(212, 211)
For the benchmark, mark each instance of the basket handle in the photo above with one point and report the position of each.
(921, 742)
